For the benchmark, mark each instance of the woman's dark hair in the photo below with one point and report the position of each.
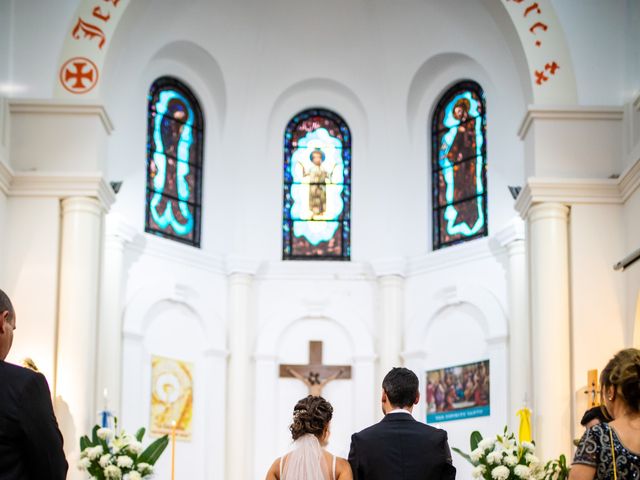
(623, 373)
(401, 386)
(311, 415)
(595, 413)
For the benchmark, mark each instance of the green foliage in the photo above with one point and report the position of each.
(463, 455)
(153, 451)
(557, 469)
(476, 438)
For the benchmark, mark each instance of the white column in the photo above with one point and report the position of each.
(113, 281)
(240, 385)
(550, 321)
(390, 275)
(77, 313)
(512, 238)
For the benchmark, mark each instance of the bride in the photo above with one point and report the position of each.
(308, 460)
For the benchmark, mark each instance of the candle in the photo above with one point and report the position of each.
(173, 450)
(105, 411)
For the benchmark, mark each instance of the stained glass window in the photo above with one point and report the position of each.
(174, 162)
(317, 187)
(459, 166)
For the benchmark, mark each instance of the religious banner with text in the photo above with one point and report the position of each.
(171, 397)
(459, 392)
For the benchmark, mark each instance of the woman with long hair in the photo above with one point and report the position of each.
(308, 460)
(611, 451)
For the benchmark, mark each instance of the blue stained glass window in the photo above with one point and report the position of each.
(459, 166)
(317, 187)
(174, 162)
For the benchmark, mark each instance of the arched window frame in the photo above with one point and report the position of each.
(289, 249)
(443, 189)
(156, 195)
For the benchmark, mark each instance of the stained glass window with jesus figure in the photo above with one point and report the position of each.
(174, 162)
(317, 187)
(459, 166)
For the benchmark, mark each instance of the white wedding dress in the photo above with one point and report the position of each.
(306, 461)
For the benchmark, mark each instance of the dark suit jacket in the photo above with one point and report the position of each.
(401, 448)
(30, 442)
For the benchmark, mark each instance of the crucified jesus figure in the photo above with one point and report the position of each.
(313, 381)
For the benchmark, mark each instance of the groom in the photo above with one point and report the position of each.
(399, 447)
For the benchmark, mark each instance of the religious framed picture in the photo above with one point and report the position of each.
(459, 392)
(171, 397)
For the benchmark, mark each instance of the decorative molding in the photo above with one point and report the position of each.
(117, 227)
(169, 250)
(390, 266)
(539, 112)
(40, 184)
(579, 191)
(512, 232)
(244, 265)
(6, 176)
(446, 258)
(315, 270)
(216, 353)
(59, 107)
(629, 181)
(567, 191)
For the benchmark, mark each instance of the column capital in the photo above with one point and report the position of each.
(548, 210)
(511, 232)
(242, 265)
(395, 266)
(81, 205)
(63, 185)
(117, 227)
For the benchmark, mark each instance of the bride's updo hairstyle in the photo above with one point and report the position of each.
(623, 373)
(311, 415)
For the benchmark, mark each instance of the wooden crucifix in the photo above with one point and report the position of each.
(315, 375)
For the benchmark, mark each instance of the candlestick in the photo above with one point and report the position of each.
(173, 450)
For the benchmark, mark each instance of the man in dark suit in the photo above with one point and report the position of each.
(399, 447)
(30, 442)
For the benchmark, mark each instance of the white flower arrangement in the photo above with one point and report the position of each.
(109, 455)
(504, 458)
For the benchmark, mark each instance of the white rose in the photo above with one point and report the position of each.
(477, 454)
(133, 476)
(487, 443)
(478, 472)
(105, 460)
(105, 434)
(112, 473)
(84, 463)
(94, 452)
(500, 473)
(135, 447)
(494, 457)
(532, 459)
(511, 460)
(522, 471)
(529, 446)
(124, 462)
(145, 468)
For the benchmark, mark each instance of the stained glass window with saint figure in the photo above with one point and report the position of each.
(317, 187)
(459, 166)
(174, 162)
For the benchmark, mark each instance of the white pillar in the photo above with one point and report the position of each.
(390, 275)
(240, 385)
(77, 313)
(550, 321)
(113, 281)
(513, 239)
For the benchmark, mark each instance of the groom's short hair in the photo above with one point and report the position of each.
(401, 386)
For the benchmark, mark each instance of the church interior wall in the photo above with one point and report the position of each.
(456, 323)
(632, 273)
(176, 321)
(31, 272)
(598, 303)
